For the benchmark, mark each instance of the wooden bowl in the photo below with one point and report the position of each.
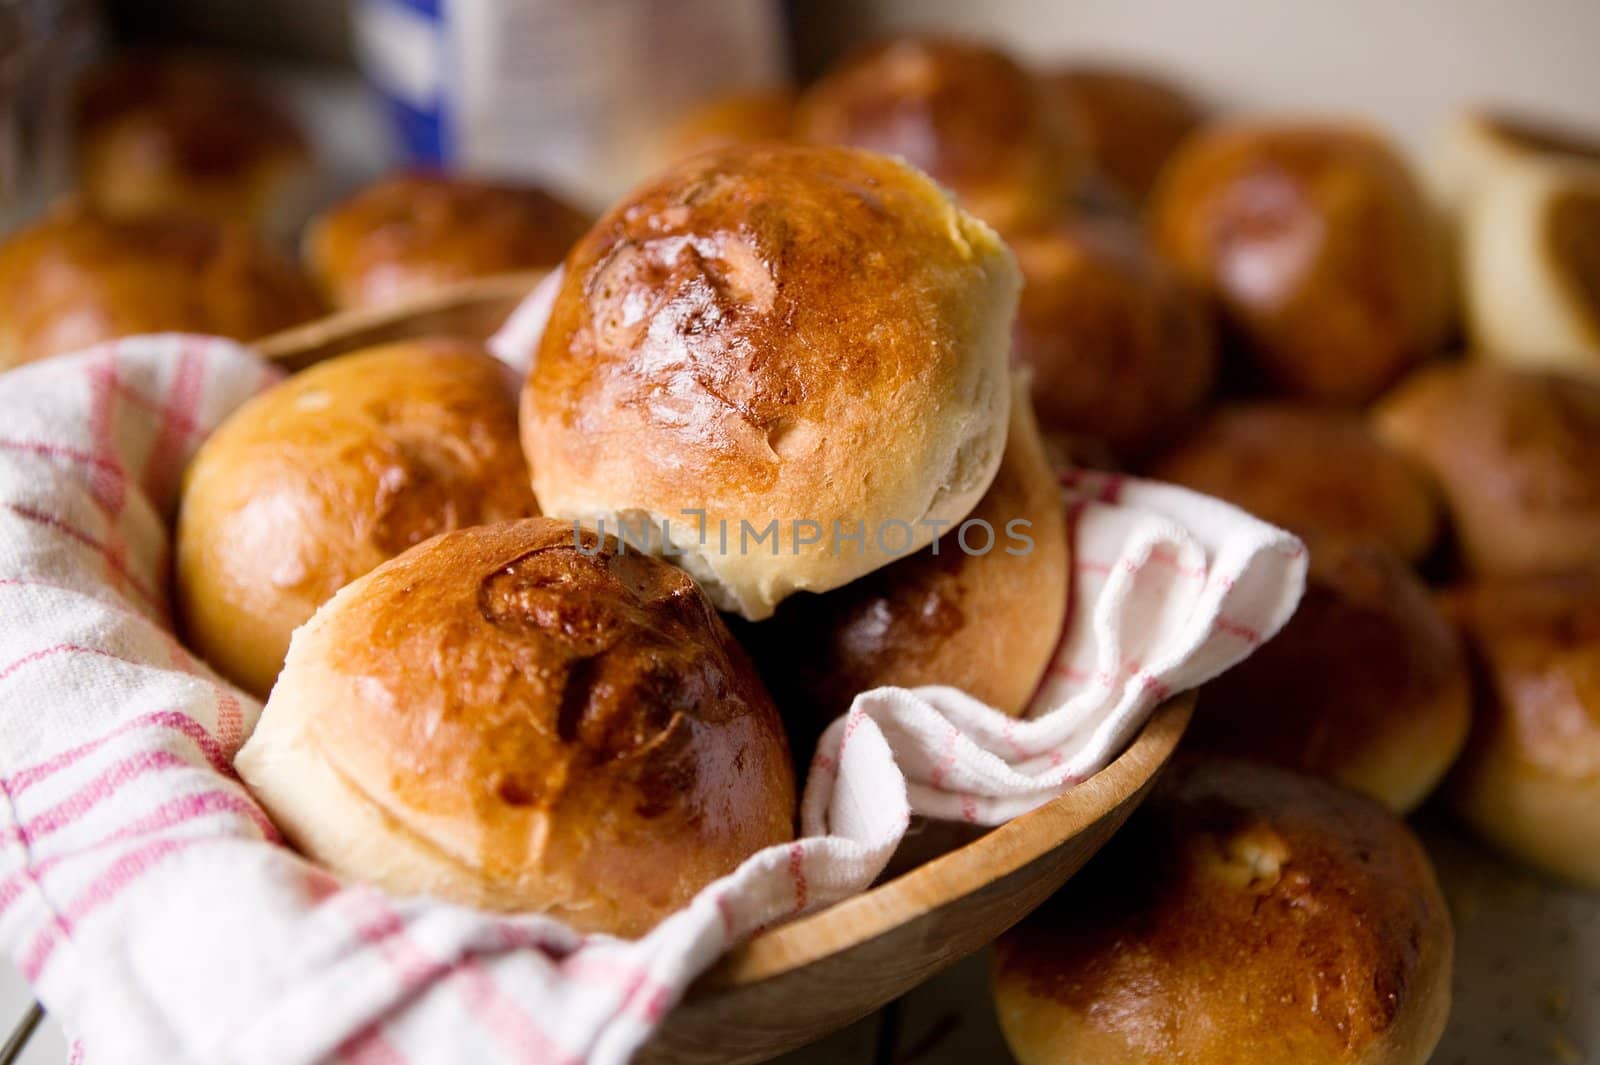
(794, 984)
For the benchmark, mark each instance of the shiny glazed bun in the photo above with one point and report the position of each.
(1530, 779)
(161, 133)
(506, 718)
(1322, 474)
(984, 620)
(1318, 246)
(965, 113)
(776, 334)
(78, 277)
(1133, 122)
(731, 118)
(1530, 256)
(314, 482)
(1365, 686)
(1121, 348)
(1517, 457)
(1245, 916)
(413, 233)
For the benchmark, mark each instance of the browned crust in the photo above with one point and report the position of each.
(580, 719)
(987, 623)
(1322, 474)
(1244, 915)
(77, 277)
(1516, 455)
(1366, 685)
(1120, 348)
(1317, 245)
(1133, 122)
(320, 479)
(412, 233)
(1572, 231)
(964, 113)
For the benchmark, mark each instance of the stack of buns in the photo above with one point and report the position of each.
(805, 344)
(796, 380)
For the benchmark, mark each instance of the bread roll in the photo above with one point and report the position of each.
(1121, 349)
(1477, 147)
(159, 133)
(1530, 779)
(965, 113)
(811, 337)
(1133, 121)
(1530, 254)
(1365, 686)
(1517, 457)
(985, 617)
(1317, 245)
(1245, 916)
(1322, 474)
(413, 233)
(316, 481)
(511, 718)
(78, 277)
(731, 118)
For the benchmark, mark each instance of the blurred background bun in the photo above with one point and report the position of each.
(414, 233)
(1530, 779)
(1317, 245)
(1530, 257)
(157, 133)
(1365, 686)
(1121, 349)
(1478, 147)
(1322, 474)
(985, 621)
(317, 480)
(1516, 455)
(1245, 916)
(964, 113)
(776, 334)
(731, 118)
(79, 276)
(505, 717)
(1132, 122)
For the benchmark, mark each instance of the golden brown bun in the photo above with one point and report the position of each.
(1530, 779)
(776, 333)
(1316, 243)
(732, 118)
(1121, 349)
(503, 719)
(1366, 685)
(1245, 916)
(1517, 457)
(964, 113)
(1133, 122)
(78, 277)
(314, 482)
(181, 133)
(414, 233)
(1322, 474)
(987, 622)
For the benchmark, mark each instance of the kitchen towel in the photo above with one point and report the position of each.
(152, 906)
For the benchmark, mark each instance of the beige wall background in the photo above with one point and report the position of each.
(1406, 63)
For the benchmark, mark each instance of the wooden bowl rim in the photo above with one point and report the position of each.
(999, 852)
